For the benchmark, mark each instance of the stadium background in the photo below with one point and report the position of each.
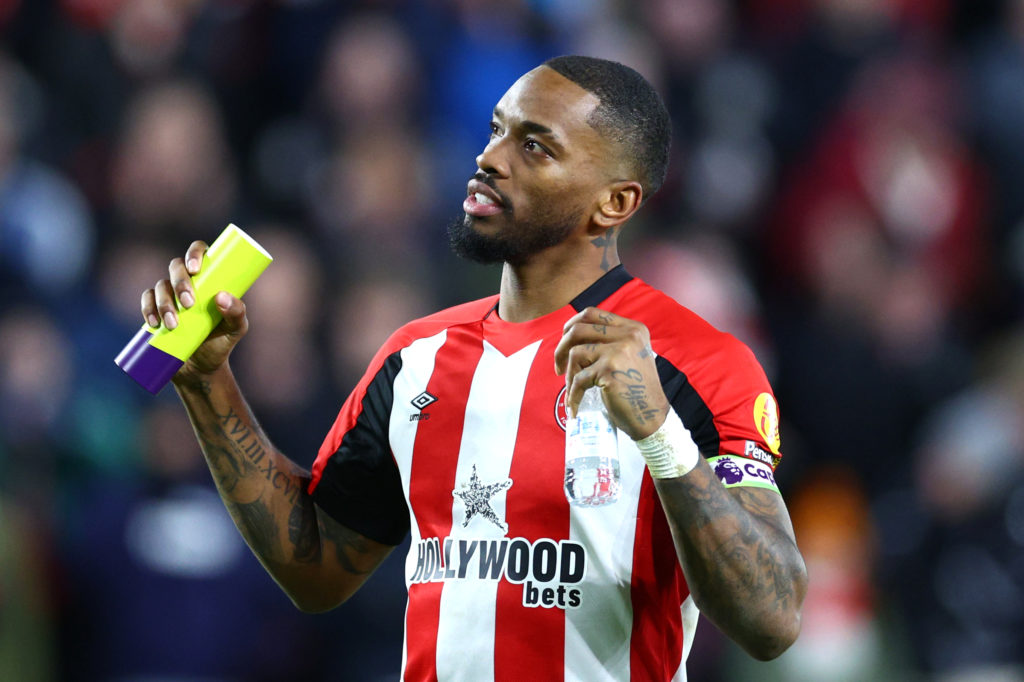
(846, 195)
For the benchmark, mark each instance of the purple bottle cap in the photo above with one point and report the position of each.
(151, 367)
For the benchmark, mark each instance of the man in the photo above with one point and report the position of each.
(455, 434)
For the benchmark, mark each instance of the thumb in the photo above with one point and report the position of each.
(232, 310)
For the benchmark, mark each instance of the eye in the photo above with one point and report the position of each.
(495, 130)
(532, 145)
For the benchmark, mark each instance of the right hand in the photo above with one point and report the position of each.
(159, 306)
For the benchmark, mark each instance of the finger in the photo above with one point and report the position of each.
(578, 358)
(583, 333)
(232, 309)
(194, 256)
(166, 307)
(181, 283)
(149, 308)
(581, 381)
(595, 316)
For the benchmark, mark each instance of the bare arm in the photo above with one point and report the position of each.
(739, 556)
(316, 561)
(736, 548)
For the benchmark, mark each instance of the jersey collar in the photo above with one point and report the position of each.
(510, 337)
(605, 286)
(608, 284)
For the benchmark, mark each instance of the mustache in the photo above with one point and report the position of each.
(488, 180)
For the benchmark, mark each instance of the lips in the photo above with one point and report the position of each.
(482, 201)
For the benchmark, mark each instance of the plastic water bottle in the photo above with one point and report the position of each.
(591, 454)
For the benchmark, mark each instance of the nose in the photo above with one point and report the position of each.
(492, 159)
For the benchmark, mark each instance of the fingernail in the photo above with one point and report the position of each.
(193, 265)
(186, 299)
(170, 320)
(154, 321)
(222, 300)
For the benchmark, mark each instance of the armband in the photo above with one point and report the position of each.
(670, 451)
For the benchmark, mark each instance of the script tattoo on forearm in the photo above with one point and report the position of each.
(636, 394)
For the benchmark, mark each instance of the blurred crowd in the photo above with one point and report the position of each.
(846, 196)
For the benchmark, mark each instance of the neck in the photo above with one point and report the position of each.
(552, 279)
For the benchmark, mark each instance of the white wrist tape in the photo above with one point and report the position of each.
(670, 451)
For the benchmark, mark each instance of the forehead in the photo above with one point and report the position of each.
(547, 97)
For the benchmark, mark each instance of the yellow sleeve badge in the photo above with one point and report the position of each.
(766, 421)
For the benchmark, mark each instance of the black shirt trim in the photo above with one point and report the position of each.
(360, 486)
(691, 408)
(608, 284)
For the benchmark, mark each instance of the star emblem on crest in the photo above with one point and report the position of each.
(477, 498)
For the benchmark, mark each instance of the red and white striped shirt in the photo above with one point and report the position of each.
(456, 435)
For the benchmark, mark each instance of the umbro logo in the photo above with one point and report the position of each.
(420, 402)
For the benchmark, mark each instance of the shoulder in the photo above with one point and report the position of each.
(720, 367)
(712, 378)
(677, 333)
(435, 323)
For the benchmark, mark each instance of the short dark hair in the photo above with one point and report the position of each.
(630, 113)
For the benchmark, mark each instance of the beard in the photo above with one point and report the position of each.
(516, 245)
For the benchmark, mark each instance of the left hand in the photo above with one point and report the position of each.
(599, 348)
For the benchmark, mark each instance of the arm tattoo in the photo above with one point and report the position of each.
(636, 394)
(303, 532)
(260, 524)
(743, 568)
(348, 545)
(238, 453)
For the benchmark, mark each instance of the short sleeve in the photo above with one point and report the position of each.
(726, 403)
(355, 478)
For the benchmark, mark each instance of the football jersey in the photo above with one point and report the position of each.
(456, 435)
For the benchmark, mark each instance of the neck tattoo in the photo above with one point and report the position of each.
(605, 242)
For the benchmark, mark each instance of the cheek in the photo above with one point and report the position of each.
(554, 196)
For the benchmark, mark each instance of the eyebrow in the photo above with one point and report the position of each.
(529, 126)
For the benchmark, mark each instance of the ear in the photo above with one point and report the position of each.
(616, 205)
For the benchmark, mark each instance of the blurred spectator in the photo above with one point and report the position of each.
(282, 364)
(703, 273)
(997, 107)
(373, 198)
(162, 585)
(46, 232)
(815, 68)
(147, 35)
(370, 77)
(954, 544)
(173, 174)
(35, 382)
(880, 237)
(894, 155)
(828, 202)
(27, 644)
(364, 316)
(722, 99)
